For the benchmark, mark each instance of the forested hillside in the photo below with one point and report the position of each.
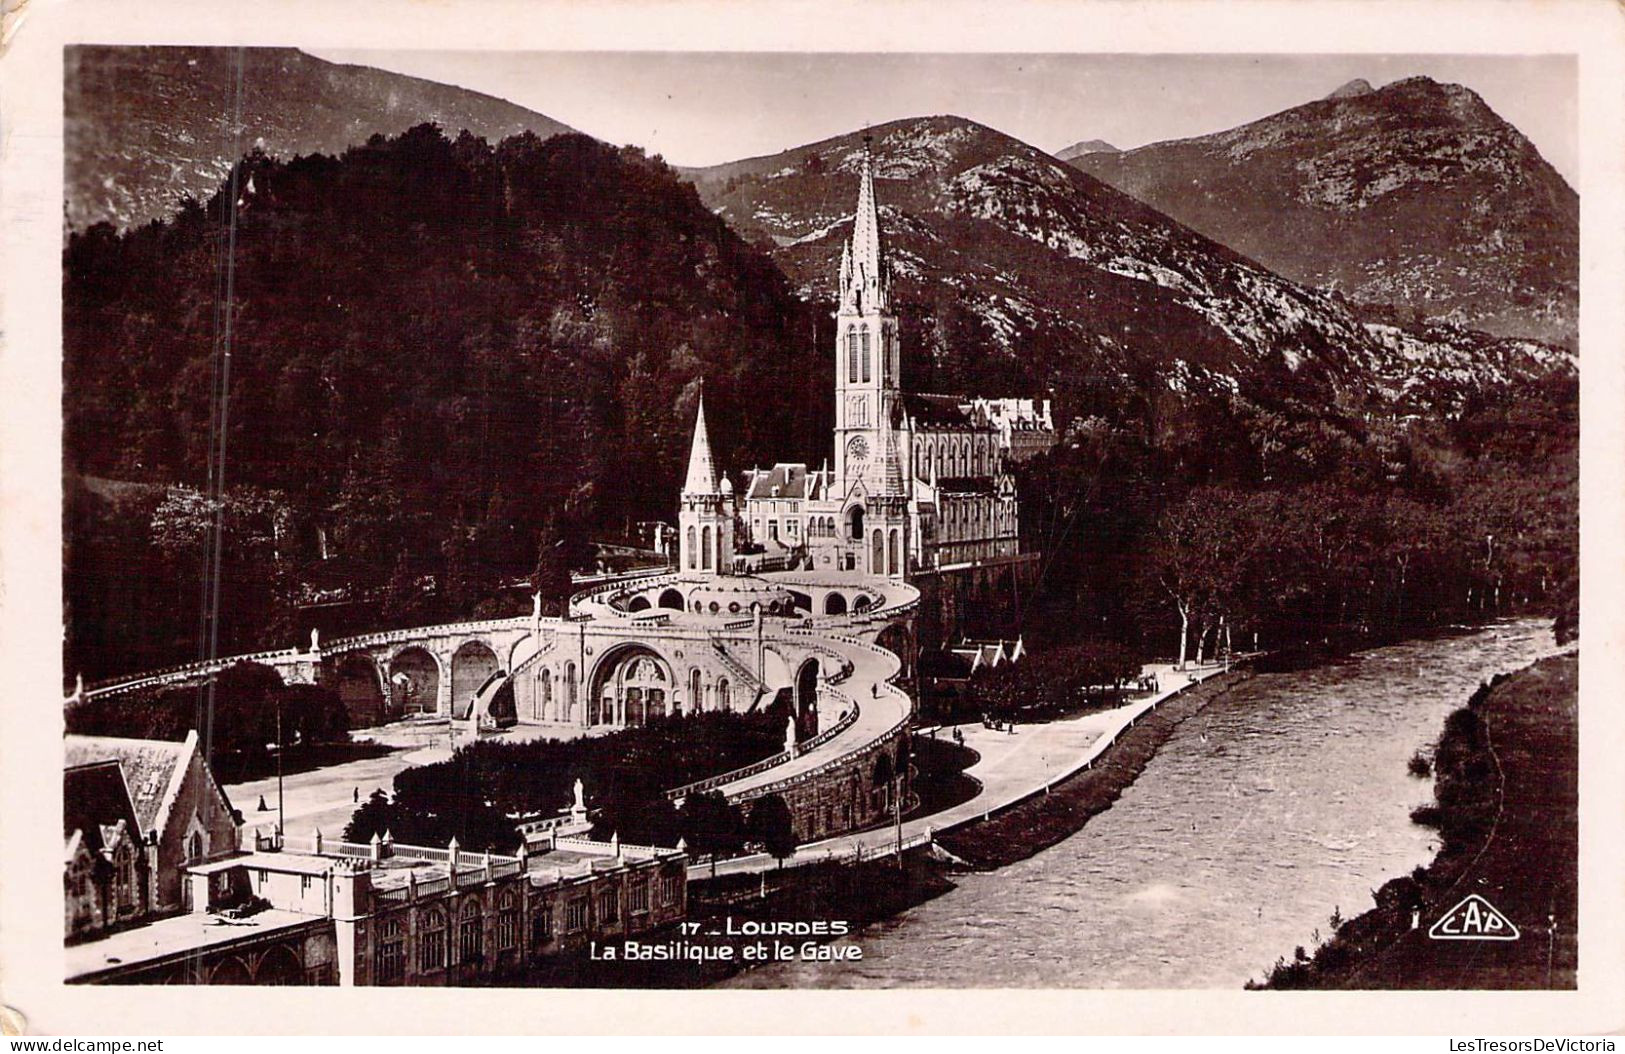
(440, 350)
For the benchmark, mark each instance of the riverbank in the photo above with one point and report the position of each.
(1506, 808)
(1033, 825)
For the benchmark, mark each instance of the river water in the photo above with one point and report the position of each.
(1280, 801)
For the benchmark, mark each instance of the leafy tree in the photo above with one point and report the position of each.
(772, 826)
(711, 824)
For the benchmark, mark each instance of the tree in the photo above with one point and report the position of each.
(551, 575)
(1202, 558)
(1054, 681)
(773, 827)
(711, 824)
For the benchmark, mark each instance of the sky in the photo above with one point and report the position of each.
(703, 108)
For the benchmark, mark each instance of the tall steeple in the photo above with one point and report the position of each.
(863, 264)
(705, 512)
(702, 469)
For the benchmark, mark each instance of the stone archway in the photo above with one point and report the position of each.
(279, 966)
(472, 665)
(834, 603)
(359, 689)
(230, 970)
(854, 523)
(631, 685)
(672, 599)
(638, 603)
(414, 681)
(897, 639)
(806, 706)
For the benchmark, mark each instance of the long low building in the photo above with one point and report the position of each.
(323, 912)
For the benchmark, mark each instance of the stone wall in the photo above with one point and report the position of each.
(851, 796)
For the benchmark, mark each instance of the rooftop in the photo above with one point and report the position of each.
(150, 767)
(180, 935)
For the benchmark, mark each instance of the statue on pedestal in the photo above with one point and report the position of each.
(790, 734)
(580, 806)
(315, 639)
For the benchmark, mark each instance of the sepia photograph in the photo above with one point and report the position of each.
(803, 519)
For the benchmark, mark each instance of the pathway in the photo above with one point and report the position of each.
(1011, 768)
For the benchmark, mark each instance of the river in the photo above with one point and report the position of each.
(1282, 800)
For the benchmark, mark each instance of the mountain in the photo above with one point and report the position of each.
(149, 126)
(1415, 194)
(1021, 273)
(1088, 146)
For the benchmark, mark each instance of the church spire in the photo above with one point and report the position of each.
(702, 469)
(863, 280)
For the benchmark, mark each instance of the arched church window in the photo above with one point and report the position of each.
(705, 541)
(692, 554)
(864, 335)
(852, 354)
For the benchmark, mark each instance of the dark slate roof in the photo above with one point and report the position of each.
(935, 410)
(94, 800)
(150, 767)
(790, 479)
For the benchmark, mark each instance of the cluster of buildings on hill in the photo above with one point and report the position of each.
(159, 887)
(918, 482)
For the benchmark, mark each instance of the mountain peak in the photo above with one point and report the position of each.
(1357, 86)
(1087, 146)
(142, 128)
(1320, 192)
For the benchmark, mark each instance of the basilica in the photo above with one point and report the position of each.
(918, 482)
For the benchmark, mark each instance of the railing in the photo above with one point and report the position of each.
(450, 629)
(712, 782)
(542, 648)
(846, 721)
(608, 849)
(738, 669)
(170, 674)
(185, 671)
(893, 664)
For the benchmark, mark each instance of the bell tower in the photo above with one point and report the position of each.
(866, 353)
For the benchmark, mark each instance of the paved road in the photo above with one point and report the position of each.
(1011, 767)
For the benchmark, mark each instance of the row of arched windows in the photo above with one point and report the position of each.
(858, 354)
(977, 518)
(886, 552)
(435, 938)
(956, 457)
(703, 556)
(542, 703)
